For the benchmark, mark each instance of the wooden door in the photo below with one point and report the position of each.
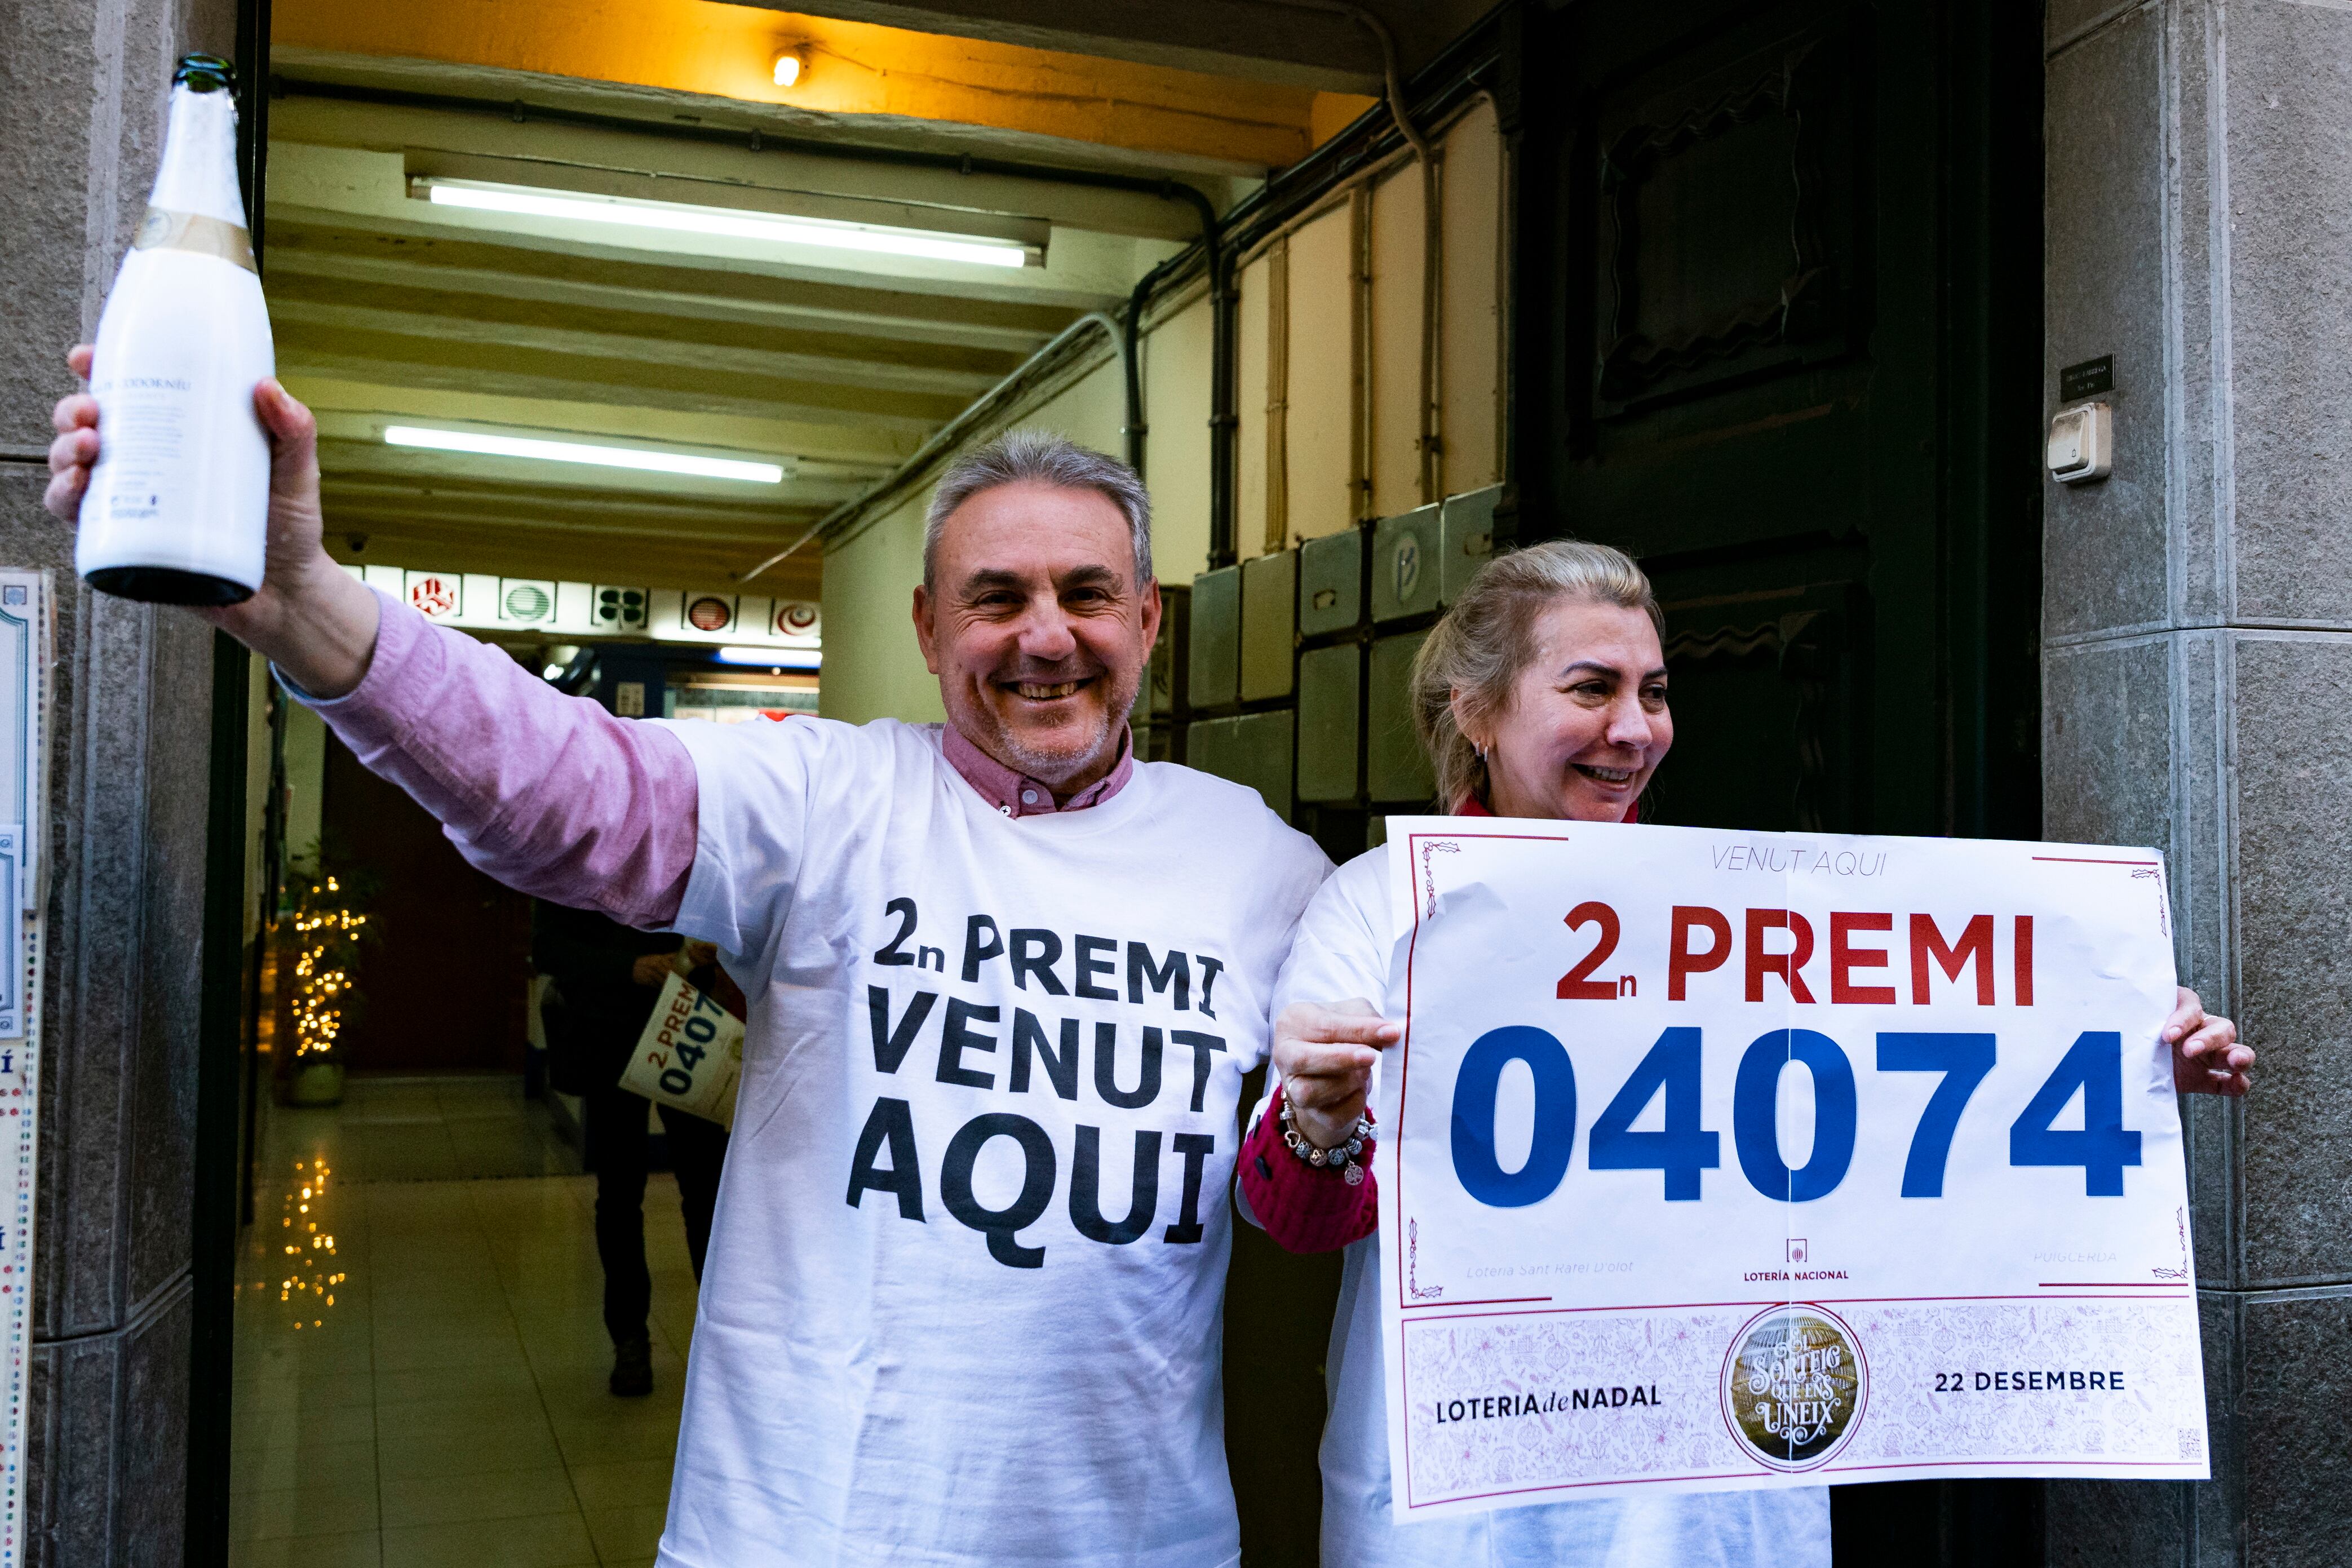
(445, 986)
(1776, 333)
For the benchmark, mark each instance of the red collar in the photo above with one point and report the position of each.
(1016, 795)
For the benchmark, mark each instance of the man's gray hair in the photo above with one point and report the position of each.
(1042, 458)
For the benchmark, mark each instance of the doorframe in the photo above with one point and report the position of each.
(218, 1199)
(219, 1188)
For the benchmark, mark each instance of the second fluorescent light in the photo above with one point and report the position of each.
(678, 217)
(801, 658)
(549, 450)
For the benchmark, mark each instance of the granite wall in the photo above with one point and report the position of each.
(2197, 684)
(83, 85)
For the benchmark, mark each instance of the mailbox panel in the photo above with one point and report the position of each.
(1215, 655)
(1269, 625)
(1331, 583)
(1404, 565)
(1252, 749)
(1330, 685)
(1465, 538)
(1394, 767)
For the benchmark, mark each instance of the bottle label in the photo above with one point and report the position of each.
(147, 419)
(162, 229)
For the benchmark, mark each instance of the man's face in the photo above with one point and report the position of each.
(1038, 624)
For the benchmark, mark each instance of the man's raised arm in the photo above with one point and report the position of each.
(548, 794)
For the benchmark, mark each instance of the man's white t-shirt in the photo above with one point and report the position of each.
(1342, 950)
(963, 1298)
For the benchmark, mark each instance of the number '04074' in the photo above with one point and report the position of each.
(2101, 1147)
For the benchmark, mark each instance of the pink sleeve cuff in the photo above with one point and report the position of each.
(1305, 1208)
(550, 795)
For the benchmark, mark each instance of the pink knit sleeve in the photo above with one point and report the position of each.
(550, 795)
(1303, 1208)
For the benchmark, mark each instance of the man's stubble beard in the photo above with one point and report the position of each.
(1053, 768)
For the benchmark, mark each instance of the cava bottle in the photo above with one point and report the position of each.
(177, 507)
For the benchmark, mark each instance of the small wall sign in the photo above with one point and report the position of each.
(2088, 379)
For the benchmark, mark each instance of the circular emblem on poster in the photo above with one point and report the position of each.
(709, 614)
(1794, 1385)
(797, 620)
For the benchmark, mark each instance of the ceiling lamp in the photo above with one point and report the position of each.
(789, 66)
(549, 450)
(775, 658)
(677, 217)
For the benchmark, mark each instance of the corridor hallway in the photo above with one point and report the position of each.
(421, 1379)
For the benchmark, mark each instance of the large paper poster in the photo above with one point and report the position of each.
(1724, 1160)
(25, 658)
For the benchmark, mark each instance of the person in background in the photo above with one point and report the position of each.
(608, 977)
(1542, 693)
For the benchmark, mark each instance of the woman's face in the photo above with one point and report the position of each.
(1587, 723)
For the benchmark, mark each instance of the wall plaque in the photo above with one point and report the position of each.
(2088, 379)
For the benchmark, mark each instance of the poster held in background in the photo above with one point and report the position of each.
(690, 1056)
(1718, 1161)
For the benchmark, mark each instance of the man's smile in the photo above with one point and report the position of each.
(1035, 691)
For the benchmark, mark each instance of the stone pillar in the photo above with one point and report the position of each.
(83, 86)
(2197, 683)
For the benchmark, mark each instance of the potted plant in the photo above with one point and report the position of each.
(327, 921)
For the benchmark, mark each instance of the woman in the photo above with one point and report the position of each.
(1541, 694)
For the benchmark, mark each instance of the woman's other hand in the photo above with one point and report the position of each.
(652, 969)
(1324, 1056)
(2206, 1055)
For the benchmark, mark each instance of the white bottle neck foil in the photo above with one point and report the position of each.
(178, 504)
(199, 170)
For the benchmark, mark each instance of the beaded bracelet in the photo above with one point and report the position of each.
(1347, 1156)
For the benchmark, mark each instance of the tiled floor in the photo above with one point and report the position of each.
(420, 1380)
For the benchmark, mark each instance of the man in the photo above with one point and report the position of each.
(962, 1299)
(608, 977)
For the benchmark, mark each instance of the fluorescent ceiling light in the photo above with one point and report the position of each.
(774, 657)
(555, 451)
(677, 217)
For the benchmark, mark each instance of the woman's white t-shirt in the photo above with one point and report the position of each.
(966, 1276)
(1341, 952)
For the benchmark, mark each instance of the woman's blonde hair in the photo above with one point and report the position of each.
(1487, 637)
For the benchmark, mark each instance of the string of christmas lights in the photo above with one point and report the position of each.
(328, 934)
(308, 1285)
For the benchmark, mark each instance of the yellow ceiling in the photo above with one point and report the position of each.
(851, 69)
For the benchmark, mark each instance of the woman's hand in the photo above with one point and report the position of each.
(1324, 1056)
(2206, 1055)
(651, 970)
